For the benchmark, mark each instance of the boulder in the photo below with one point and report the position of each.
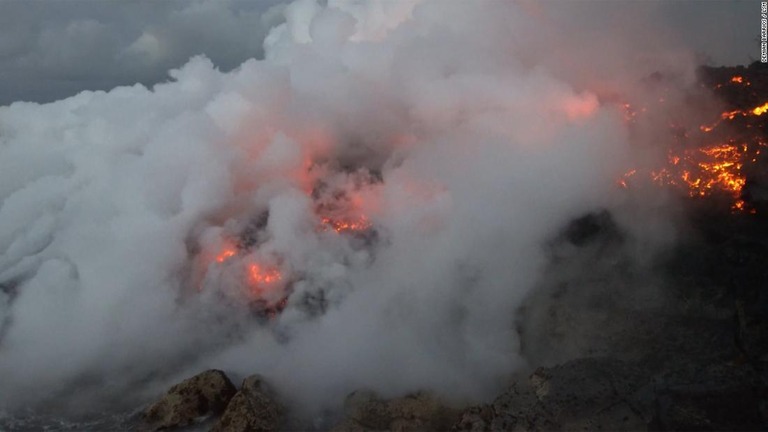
(207, 393)
(252, 409)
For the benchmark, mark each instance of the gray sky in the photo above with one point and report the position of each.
(55, 48)
(727, 31)
(50, 49)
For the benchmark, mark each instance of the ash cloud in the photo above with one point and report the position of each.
(467, 134)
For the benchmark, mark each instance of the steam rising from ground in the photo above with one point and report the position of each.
(466, 133)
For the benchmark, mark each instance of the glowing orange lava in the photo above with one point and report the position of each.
(227, 253)
(730, 115)
(263, 276)
(703, 172)
(358, 224)
(736, 79)
(710, 169)
(762, 109)
(623, 180)
(263, 281)
(720, 169)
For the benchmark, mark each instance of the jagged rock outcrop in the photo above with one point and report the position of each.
(252, 409)
(204, 394)
(364, 411)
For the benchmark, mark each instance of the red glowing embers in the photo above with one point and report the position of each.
(350, 224)
(262, 280)
(226, 254)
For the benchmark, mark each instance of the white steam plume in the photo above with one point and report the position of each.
(452, 128)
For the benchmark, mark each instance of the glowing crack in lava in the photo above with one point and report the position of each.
(706, 160)
(730, 115)
(705, 171)
(722, 170)
(348, 224)
(735, 80)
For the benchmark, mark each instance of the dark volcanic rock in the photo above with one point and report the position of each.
(364, 411)
(607, 394)
(203, 394)
(252, 409)
(590, 227)
(714, 397)
(585, 394)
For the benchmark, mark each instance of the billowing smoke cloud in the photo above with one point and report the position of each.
(366, 207)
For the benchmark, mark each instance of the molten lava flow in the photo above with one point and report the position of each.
(358, 224)
(762, 109)
(344, 206)
(720, 169)
(730, 115)
(262, 280)
(703, 172)
(260, 275)
(738, 79)
(226, 253)
(715, 162)
(263, 286)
